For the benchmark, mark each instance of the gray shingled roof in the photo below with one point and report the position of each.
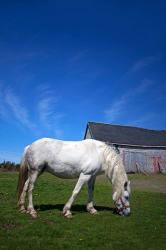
(125, 135)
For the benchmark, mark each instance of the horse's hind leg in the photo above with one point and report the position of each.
(90, 208)
(32, 178)
(81, 181)
(21, 202)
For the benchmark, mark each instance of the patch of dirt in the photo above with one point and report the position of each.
(49, 222)
(4, 170)
(10, 226)
(153, 183)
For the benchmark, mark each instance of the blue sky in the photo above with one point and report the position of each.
(64, 63)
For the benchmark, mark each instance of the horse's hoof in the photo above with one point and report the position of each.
(68, 215)
(34, 215)
(66, 210)
(23, 211)
(94, 212)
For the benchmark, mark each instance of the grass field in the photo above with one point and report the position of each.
(144, 229)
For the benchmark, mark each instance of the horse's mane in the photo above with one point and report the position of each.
(114, 169)
(113, 146)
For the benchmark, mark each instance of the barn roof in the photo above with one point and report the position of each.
(126, 135)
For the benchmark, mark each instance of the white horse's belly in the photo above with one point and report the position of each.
(63, 171)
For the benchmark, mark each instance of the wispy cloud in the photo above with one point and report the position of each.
(140, 121)
(144, 62)
(4, 109)
(139, 65)
(48, 117)
(47, 110)
(117, 107)
(18, 109)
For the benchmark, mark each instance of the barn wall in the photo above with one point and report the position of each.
(144, 160)
(141, 160)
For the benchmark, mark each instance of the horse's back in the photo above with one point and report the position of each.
(66, 158)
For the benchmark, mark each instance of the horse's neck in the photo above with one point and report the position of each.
(119, 178)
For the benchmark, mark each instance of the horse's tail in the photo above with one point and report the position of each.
(23, 174)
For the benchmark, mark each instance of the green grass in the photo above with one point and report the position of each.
(144, 229)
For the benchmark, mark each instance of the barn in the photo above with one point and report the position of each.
(142, 150)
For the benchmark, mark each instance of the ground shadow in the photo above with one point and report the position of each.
(75, 208)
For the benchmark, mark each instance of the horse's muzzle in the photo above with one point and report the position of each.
(127, 212)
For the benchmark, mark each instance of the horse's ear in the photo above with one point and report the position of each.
(125, 185)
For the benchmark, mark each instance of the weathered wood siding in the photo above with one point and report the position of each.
(144, 160)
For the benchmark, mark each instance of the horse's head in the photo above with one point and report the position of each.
(122, 202)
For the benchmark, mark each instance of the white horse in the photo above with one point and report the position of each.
(83, 159)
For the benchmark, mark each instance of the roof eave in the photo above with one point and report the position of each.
(138, 146)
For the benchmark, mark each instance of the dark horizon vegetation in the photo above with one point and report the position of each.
(9, 166)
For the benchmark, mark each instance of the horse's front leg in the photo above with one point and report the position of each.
(90, 208)
(81, 181)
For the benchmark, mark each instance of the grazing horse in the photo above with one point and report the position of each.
(68, 159)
